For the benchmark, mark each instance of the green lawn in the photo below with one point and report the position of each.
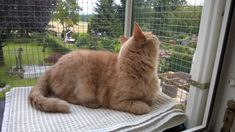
(32, 54)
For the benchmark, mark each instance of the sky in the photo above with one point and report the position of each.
(88, 5)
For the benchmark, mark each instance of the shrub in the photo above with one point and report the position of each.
(108, 43)
(180, 58)
(52, 32)
(83, 40)
(184, 49)
(2, 84)
(163, 66)
(39, 37)
(56, 45)
(180, 62)
(117, 47)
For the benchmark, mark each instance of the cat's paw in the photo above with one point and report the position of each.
(139, 107)
(92, 105)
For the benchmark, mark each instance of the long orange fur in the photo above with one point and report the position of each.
(126, 81)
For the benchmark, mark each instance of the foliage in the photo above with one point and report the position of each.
(2, 84)
(83, 40)
(107, 19)
(117, 47)
(142, 11)
(107, 43)
(163, 66)
(67, 12)
(161, 9)
(56, 44)
(24, 17)
(188, 17)
(39, 37)
(175, 23)
(28, 59)
(120, 15)
(32, 53)
(184, 49)
(167, 18)
(179, 59)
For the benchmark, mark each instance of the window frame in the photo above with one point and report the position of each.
(207, 60)
(219, 10)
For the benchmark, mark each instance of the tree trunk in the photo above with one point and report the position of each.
(3, 36)
(1, 55)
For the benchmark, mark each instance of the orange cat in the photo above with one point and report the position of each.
(126, 81)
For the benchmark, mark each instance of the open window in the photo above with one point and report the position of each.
(33, 36)
(192, 35)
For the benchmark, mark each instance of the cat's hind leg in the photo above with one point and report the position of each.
(85, 94)
(132, 106)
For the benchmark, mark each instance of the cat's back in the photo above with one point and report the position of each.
(88, 55)
(81, 64)
(86, 58)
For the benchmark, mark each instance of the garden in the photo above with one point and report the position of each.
(28, 49)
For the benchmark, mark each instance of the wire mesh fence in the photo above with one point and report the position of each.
(176, 23)
(34, 34)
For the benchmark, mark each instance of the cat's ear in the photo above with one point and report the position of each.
(122, 39)
(138, 34)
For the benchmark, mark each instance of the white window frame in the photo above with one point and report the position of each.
(206, 63)
(206, 60)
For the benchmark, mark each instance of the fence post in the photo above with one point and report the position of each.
(128, 18)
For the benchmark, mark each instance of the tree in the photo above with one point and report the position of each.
(23, 16)
(144, 14)
(172, 21)
(120, 15)
(67, 12)
(105, 19)
(187, 17)
(161, 10)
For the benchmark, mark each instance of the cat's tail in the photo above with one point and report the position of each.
(38, 98)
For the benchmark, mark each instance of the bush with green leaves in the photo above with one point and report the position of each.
(180, 62)
(2, 84)
(180, 58)
(83, 40)
(163, 65)
(108, 43)
(39, 37)
(56, 44)
(117, 47)
(184, 49)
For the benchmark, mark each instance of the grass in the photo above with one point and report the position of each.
(32, 55)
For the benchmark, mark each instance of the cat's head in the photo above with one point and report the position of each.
(143, 43)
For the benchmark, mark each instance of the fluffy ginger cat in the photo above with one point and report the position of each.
(126, 81)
